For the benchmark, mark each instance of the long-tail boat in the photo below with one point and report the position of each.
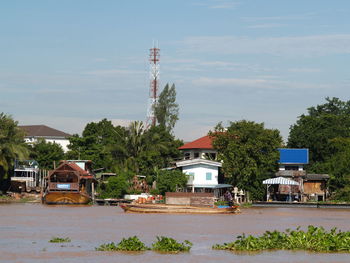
(72, 182)
(178, 209)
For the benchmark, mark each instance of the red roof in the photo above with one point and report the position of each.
(201, 143)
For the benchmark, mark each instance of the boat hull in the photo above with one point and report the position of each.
(66, 198)
(176, 209)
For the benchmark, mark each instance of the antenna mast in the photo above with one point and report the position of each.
(154, 84)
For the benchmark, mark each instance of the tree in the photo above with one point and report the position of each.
(116, 187)
(12, 145)
(318, 127)
(46, 153)
(166, 109)
(337, 166)
(249, 153)
(98, 143)
(170, 180)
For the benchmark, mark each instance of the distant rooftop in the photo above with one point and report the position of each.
(204, 142)
(42, 131)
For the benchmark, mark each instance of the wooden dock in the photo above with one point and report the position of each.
(302, 204)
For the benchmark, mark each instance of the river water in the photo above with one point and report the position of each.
(25, 230)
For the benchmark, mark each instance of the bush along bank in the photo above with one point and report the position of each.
(315, 239)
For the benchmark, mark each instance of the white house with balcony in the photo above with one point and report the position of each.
(204, 176)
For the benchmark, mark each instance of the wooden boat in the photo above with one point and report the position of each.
(71, 183)
(177, 209)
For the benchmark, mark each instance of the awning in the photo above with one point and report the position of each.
(280, 180)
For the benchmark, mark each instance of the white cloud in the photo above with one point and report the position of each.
(306, 46)
(218, 4)
(258, 26)
(112, 72)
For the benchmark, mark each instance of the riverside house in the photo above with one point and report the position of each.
(204, 172)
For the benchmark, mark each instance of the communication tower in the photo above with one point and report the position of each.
(154, 84)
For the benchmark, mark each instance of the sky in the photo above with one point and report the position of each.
(66, 63)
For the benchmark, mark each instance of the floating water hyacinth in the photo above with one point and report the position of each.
(314, 239)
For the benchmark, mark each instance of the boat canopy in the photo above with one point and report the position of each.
(280, 180)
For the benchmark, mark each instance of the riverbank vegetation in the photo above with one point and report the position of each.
(313, 239)
(248, 149)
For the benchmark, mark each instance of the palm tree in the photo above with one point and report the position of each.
(12, 145)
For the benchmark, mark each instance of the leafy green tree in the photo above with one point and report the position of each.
(249, 153)
(337, 166)
(170, 180)
(161, 149)
(46, 153)
(318, 127)
(12, 145)
(167, 110)
(116, 187)
(98, 143)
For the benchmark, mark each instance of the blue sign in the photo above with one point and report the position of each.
(63, 186)
(294, 156)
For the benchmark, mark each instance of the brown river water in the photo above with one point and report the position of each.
(25, 230)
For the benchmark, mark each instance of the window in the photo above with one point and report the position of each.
(190, 176)
(290, 167)
(208, 176)
(187, 156)
(196, 155)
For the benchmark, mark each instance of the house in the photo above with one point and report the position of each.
(292, 164)
(199, 162)
(201, 148)
(36, 132)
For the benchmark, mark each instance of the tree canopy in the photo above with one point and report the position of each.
(12, 144)
(319, 126)
(46, 153)
(249, 153)
(166, 109)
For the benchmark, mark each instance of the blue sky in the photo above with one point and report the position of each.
(66, 63)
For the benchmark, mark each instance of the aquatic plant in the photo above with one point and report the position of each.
(168, 244)
(314, 239)
(126, 244)
(60, 240)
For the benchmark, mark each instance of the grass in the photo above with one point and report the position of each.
(60, 240)
(315, 239)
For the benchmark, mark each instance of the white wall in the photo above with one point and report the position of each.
(63, 142)
(200, 171)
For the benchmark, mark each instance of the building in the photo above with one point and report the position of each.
(37, 132)
(311, 187)
(199, 163)
(201, 148)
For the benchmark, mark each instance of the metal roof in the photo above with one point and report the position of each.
(280, 180)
